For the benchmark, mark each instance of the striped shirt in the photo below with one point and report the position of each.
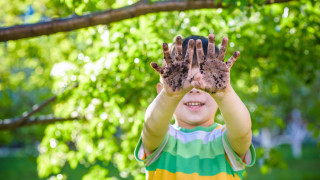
(199, 153)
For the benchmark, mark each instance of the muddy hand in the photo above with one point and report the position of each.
(176, 73)
(214, 75)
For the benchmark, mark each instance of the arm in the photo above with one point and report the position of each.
(237, 118)
(176, 77)
(157, 119)
(214, 78)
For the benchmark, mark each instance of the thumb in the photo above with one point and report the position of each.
(156, 67)
(196, 84)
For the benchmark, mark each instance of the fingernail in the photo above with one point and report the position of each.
(191, 42)
(211, 38)
(199, 43)
(236, 54)
(154, 65)
(179, 38)
(165, 46)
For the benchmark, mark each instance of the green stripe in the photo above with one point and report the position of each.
(204, 167)
(194, 148)
(198, 128)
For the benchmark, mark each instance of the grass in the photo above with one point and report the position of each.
(304, 168)
(17, 168)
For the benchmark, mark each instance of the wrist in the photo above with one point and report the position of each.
(220, 95)
(173, 96)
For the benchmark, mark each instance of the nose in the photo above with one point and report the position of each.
(195, 91)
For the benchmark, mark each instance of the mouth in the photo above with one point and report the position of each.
(194, 105)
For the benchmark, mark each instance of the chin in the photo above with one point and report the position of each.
(198, 115)
(195, 121)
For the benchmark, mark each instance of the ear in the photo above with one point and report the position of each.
(159, 87)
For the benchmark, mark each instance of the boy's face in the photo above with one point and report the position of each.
(196, 108)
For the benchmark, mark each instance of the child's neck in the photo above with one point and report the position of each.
(191, 126)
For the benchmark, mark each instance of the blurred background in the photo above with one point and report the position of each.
(72, 103)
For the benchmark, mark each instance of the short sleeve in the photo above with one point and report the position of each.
(236, 162)
(140, 155)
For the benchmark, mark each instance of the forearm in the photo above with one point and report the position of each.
(157, 119)
(237, 119)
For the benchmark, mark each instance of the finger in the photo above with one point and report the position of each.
(156, 67)
(200, 54)
(233, 59)
(166, 53)
(178, 49)
(189, 54)
(211, 47)
(223, 48)
(196, 80)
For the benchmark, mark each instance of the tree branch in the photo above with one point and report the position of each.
(48, 120)
(44, 119)
(16, 122)
(25, 119)
(106, 17)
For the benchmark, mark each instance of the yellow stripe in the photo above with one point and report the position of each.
(161, 174)
(218, 127)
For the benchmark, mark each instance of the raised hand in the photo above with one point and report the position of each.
(214, 73)
(176, 74)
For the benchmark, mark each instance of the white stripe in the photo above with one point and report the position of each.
(155, 154)
(186, 137)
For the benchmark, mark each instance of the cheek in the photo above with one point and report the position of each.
(179, 108)
(211, 102)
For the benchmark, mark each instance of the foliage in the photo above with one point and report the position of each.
(278, 71)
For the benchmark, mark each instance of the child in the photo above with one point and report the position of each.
(193, 86)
